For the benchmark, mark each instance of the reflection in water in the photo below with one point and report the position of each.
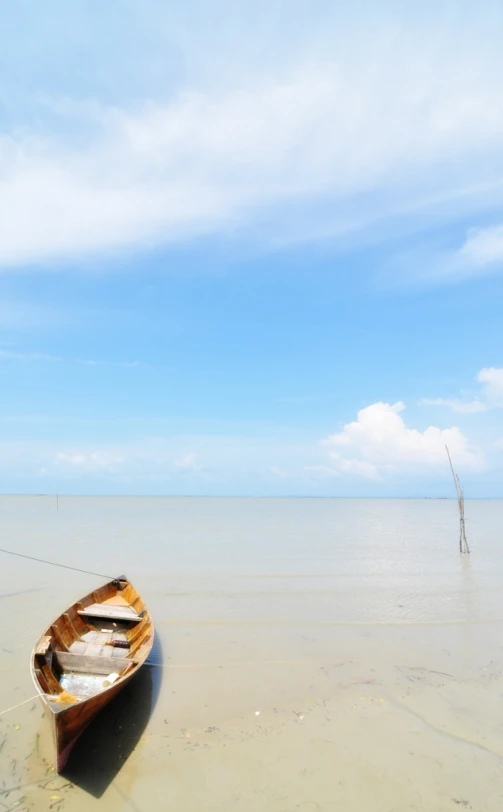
(107, 743)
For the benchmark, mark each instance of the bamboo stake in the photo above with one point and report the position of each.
(463, 543)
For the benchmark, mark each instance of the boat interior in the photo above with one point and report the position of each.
(96, 642)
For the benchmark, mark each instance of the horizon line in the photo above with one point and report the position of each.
(229, 496)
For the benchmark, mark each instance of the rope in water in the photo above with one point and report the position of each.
(53, 563)
(18, 706)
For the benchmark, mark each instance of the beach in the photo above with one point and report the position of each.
(310, 654)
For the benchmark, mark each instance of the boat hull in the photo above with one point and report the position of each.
(68, 724)
(70, 715)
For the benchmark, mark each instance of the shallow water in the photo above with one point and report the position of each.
(310, 654)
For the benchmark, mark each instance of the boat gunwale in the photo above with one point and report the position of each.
(46, 697)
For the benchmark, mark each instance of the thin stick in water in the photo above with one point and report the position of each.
(463, 543)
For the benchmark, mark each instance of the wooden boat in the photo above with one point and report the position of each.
(87, 655)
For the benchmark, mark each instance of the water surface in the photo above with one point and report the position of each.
(310, 654)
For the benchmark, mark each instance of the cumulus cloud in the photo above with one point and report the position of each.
(380, 444)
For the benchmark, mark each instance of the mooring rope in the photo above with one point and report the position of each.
(18, 706)
(64, 566)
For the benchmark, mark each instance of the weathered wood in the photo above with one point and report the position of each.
(69, 626)
(138, 605)
(85, 664)
(463, 542)
(116, 600)
(98, 637)
(80, 626)
(137, 631)
(70, 715)
(42, 680)
(94, 649)
(110, 613)
(50, 680)
(59, 637)
(138, 646)
(91, 636)
(104, 610)
(78, 647)
(43, 645)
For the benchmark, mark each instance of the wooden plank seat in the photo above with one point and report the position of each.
(126, 613)
(84, 664)
(97, 650)
(103, 636)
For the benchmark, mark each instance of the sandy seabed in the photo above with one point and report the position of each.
(273, 685)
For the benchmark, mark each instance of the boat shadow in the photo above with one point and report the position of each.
(105, 746)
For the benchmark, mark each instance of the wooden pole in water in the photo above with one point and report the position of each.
(463, 543)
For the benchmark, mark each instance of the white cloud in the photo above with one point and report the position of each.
(280, 472)
(213, 158)
(379, 443)
(491, 396)
(93, 363)
(483, 246)
(189, 464)
(12, 355)
(90, 462)
(321, 471)
(492, 380)
(460, 406)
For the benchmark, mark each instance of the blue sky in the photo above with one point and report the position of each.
(252, 249)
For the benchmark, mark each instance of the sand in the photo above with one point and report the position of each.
(266, 690)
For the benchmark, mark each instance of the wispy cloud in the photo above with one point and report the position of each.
(479, 253)
(490, 397)
(14, 355)
(89, 462)
(298, 399)
(482, 247)
(214, 157)
(460, 406)
(321, 471)
(93, 363)
(280, 472)
(189, 464)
